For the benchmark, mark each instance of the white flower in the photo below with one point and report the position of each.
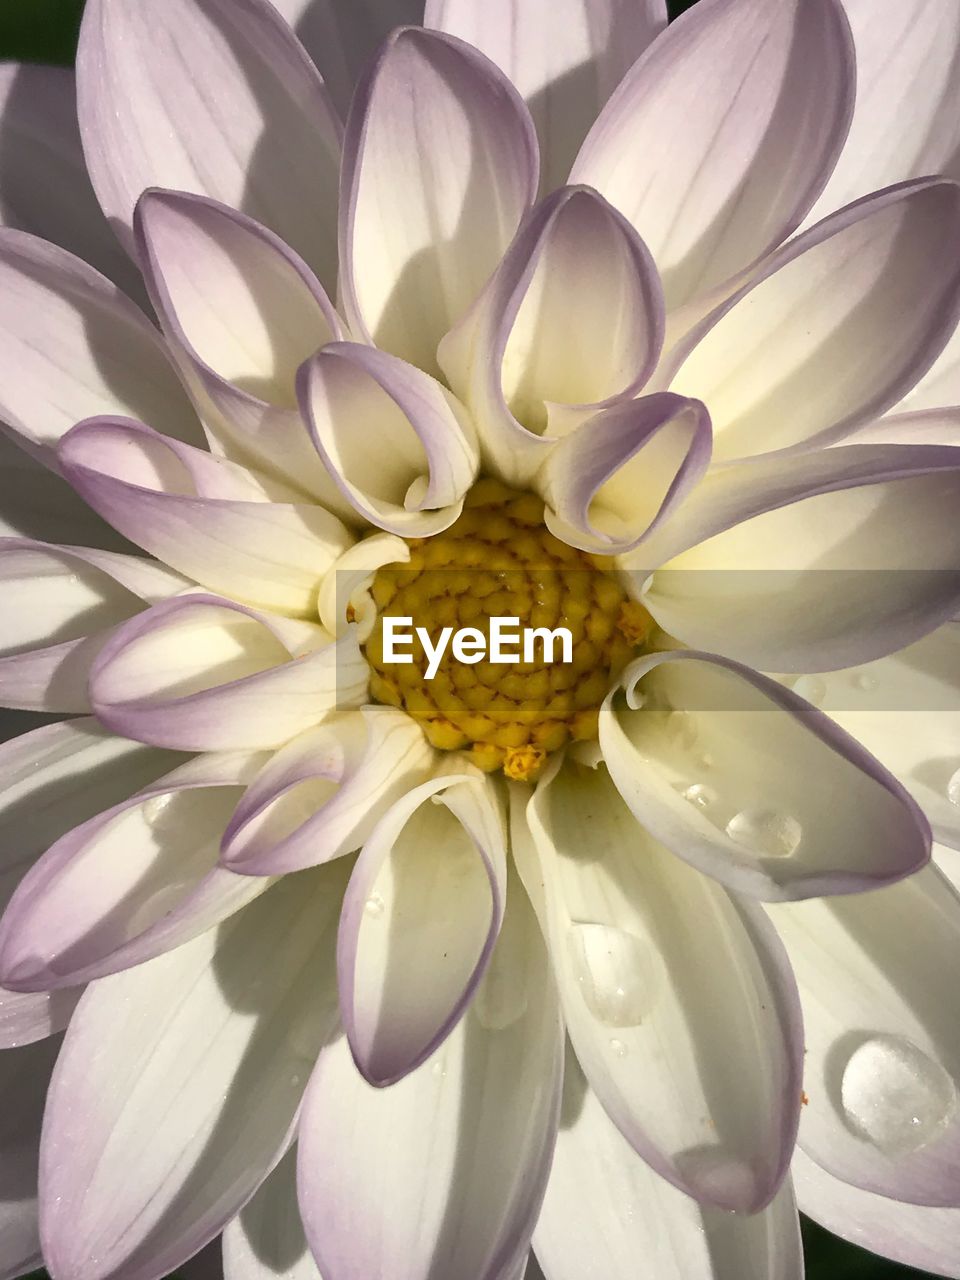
(643, 330)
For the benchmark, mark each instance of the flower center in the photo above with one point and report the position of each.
(499, 561)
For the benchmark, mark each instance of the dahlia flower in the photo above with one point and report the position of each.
(547, 311)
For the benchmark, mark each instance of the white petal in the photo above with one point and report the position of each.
(186, 506)
(73, 346)
(837, 327)
(605, 1209)
(882, 1071)
(35, 503)
(677, 997)
(26, 1017)
(452, 1161)
(265, 1241)
(907, 116)
(138, 880)
(566, 58)
(424, 224)
(190, 1069)
(749, 783)
(24, 1076)
(420, 920)
(721, 136)
(205, 674)
(217, 99)
(321, 795)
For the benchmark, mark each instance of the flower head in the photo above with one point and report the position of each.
(639, 338)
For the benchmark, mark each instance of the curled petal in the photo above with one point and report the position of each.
(754, 786)
(420, 919)
(800, 563)
(321, 795)
(242, 311)
(137, 880)
(265, 140)
(236, 1019)
(73, 346)
(59, 605)
(882, 1071)
(723, 133)
(399, 446)
(200, 673)
(345, 598)
(493, 1091)
(660, 972)
(613, 480)
(572, 320)
(186, 506)
(906, 121)
(422, 229)
(605, 1208)
(847, 317)
(44, 187)
(566, 59)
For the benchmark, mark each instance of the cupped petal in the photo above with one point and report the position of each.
(57, 776)
(137, 880)
(752, 785)
(439, 167)
(723, 134)
(201, 673)
(200, 1096)
(73, 346)
(565, 58)
(218, 99)
(242, 311)
(882, 1071)
(800, 564)
(205, 516)
(614, 479)
(906, 121)
(459, 1150)
(420, 920)
(321, 795)
(346, 599)
(59, 606)
(44, 187)
(265, 1241)
(605, 1208)
(29, 1016)
(400, 447)
(572, 320)
(835, 329)
(342, 38)
(24, 1077)
(677, 997)
(905, 709)
(915, 1235)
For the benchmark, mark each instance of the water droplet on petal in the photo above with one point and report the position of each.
(812, 688)
(895, 1096)
(777, 835)
(616, 972)
(439, 1069)
(865, 681)
(374, 905)
(155, 808)
(953, 789)
(699, 796)
(619, 1049)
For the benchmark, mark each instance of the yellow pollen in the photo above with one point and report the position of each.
(499, 560)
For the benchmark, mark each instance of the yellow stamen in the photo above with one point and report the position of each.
(499, 560)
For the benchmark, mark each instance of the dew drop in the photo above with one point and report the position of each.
(618, 1048)
(953, 789)
(865, 681)
(777, 835)
(439, 1069)
(895, 1096)
(700, 796)
(616, 972)
(155, 808)
(374, 906)
(812, 688)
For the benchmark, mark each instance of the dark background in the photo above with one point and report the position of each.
(46, 31)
